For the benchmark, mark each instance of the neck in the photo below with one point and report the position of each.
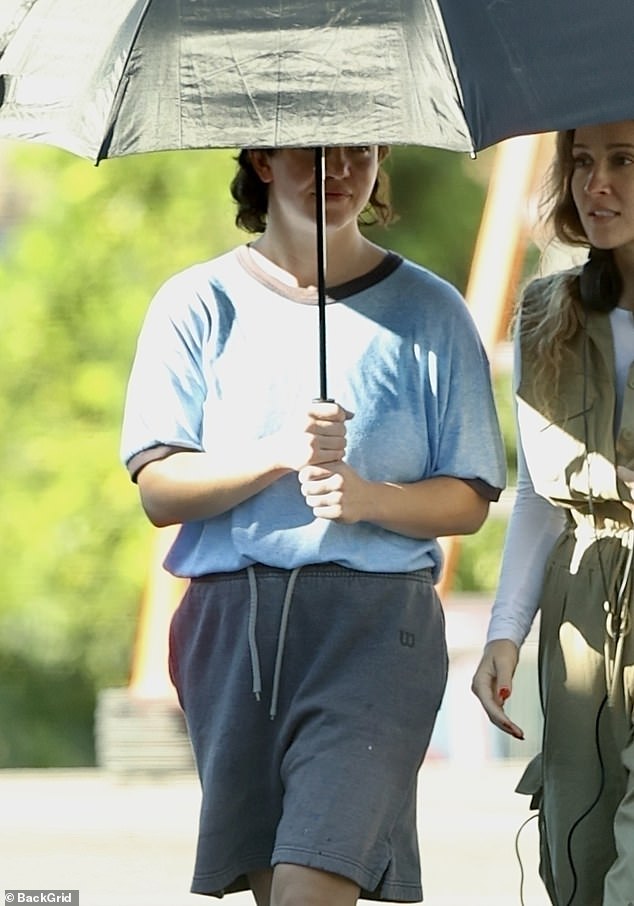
(347, 257)
(624, 259)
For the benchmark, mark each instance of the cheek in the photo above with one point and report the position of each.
(576, 189)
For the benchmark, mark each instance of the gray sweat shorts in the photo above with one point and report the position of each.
(310, 697)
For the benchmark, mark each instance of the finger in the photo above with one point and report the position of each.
(498, 717)
(313, 473)
(512, 729)
(492, 697)
(483, 685)
(324, 511)
(321, 494)
(330, 412)
(503, 687)
(323, 428)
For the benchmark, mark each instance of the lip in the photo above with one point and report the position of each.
(330, 194)
(603, 213)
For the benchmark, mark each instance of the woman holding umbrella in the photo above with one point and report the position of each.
(309, 650)
(570, 542)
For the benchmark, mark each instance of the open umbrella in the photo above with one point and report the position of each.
(106, 79)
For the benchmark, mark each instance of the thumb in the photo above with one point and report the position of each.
(504, 682)
(504, 689)
(504, 692)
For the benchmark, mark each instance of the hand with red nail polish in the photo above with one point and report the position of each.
(493, 682)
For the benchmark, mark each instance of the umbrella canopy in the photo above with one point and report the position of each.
(108, 78)
(105, 78)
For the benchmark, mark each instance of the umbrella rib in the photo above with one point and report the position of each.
(121, 88)
(452, 67)
(16, 23)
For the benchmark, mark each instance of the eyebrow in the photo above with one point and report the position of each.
(611, 146)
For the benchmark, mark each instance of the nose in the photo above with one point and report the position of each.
(596, 181)
(337, 162)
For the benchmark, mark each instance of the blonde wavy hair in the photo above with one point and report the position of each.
(550, 306)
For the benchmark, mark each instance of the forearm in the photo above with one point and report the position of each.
(189, 486)
(433, 508)
(533, 529)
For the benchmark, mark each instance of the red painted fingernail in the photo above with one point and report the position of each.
(504, 693)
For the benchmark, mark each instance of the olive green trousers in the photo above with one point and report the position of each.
(583, 780)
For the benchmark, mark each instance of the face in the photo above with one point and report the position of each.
(602, 183)
(290, 175)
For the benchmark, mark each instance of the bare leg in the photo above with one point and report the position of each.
(260, 882)
(295, 885)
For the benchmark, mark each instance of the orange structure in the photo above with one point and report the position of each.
(149, 678)
(496, 268)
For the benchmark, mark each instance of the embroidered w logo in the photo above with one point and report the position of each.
(408, 639)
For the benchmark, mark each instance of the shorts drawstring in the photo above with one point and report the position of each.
(253, 645)
(281, 639)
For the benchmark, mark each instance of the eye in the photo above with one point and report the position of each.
(622, 159)
(579, 161)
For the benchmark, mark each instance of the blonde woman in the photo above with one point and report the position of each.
(569, 546)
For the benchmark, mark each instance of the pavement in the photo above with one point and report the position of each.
(129, 840)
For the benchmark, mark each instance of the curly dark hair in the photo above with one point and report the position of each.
(251, 195)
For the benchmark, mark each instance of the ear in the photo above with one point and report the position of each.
(261, 163)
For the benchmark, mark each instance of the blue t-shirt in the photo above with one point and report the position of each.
(227, 348)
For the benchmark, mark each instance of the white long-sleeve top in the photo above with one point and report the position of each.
(535, 523)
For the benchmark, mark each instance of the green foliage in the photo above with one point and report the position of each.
(85, 250)
(46, 713)
(479, 562)
(438, 198)
(76, 273)
(504, 398)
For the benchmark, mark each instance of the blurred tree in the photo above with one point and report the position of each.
(86, 250)
(438, 197)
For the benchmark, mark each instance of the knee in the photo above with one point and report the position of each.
(296, 885)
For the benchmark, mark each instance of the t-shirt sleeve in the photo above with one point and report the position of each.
(469, 442)
(166, 388)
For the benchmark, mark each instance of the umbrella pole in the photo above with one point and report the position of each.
(320, 211)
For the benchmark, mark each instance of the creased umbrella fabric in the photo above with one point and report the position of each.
(105, 78)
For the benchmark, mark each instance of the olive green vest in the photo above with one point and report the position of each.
(571, 452)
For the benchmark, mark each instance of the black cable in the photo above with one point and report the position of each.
(584, 815)
(604, 580)
(597, 723)
(519, 856)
